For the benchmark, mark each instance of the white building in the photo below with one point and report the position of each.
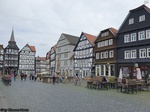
(64, 54)
(84, 55)
(27, 59)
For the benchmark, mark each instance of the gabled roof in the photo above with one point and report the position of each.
(32, 48)
(90, 37)
(113, 30)
(140, 7)
(72, 39)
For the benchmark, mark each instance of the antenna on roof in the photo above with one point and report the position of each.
(146, 1)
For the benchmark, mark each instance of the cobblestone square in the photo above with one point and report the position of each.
(44, 97)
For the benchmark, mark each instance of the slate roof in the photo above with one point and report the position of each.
(72, 39)
(12, 39)
(140, 7)
(12, 43)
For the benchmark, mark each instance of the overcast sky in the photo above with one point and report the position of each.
(41, 22)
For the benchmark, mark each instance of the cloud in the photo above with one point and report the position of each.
(41, 22)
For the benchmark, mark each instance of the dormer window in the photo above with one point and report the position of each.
(131, 21)
(142, 18)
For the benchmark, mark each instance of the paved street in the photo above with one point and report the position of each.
(43, 97)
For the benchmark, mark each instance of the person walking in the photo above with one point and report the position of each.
(21, 75)
(54, 78)
(15, 76)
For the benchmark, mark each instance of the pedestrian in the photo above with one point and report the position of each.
(21, 75)
(15, 76)
(54, 78)
(25, 76)
(35, 77)
(32, 77)
(60, 79)
(80, 79)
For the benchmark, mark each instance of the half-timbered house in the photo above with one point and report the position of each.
(133, 42)
(64, 54)
(27, 59)
(105, 52)
(11, 56)
(84, 55)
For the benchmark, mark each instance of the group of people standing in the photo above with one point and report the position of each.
(23, 76)
(31, 77)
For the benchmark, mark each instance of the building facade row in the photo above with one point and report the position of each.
(112, 50)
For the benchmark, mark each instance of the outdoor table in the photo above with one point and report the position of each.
(89, 84)
(104, 85)
(129, 87)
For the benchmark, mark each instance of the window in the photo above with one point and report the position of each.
(110, 41)
(106, 54)
(133, 37)
(59, 49)
(102, 55)
(127, 54)
(126, 38)
(141, 35)
(65, 62)
(99, 44)
(106, 42)
(111, 54)
(97, 55)
(102, 44)
(142, 53)
(148, 52)
(147, 34)
(133, 54)
(131, 21)
(142, 18)
(105, 34)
